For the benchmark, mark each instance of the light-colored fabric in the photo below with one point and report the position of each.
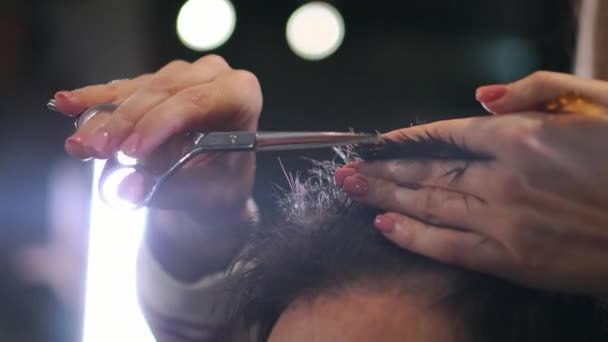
(178, 312)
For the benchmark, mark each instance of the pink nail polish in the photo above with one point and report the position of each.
(131, 145)
(99, 140)
(384, 223)
(491, 93)
(355, 186)
(341, 175)
(63, 96)
(75, 147)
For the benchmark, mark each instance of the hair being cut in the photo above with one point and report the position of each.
(323, 242)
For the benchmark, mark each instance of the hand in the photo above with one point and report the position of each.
(539, 91)
(536, 213)
(154, 108)
(201, 217)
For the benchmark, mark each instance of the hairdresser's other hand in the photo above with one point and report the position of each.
(199, 219)
(535, 92)
(535, 213)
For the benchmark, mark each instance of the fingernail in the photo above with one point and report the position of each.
(355, 186)
(491, 93)
(75, 147)
(99, 140)
(384, 223)
(131, 145)
(63, 95)
(341, 175)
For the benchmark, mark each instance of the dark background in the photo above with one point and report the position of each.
(401, 62)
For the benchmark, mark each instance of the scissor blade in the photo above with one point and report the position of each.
(280, 141)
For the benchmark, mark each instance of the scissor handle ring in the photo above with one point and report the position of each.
(88, 114)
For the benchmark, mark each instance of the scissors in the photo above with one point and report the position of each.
(205, 142)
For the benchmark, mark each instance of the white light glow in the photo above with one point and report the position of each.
(125, 159)
(205, 24)
(315, 30)
(112, 311)
(109, 189)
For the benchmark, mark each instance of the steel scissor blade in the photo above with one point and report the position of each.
(277, 141)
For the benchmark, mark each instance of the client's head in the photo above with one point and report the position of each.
(323, 273)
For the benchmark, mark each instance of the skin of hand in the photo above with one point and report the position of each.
(535, 213)
(211, 191)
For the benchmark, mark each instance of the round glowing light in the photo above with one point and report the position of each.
(109, 189)
(205, 24)
(125, 159)
(315, 30)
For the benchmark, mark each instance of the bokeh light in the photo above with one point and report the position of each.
(315, 30)
(204, 25)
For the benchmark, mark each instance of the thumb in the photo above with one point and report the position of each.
(539, 89)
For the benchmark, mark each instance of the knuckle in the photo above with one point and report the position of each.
(520, 134)
(246, 79)
(166, 78)
(164, 82)
(177, 64)
(406, 237)
(430, 205)
(122, 120)
(150, 91)
(539, 78)
(201, 99)
(213, 60)
(249, 91)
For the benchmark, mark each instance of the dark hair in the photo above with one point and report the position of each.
(324, 242)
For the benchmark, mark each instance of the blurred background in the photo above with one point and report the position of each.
(399, 63)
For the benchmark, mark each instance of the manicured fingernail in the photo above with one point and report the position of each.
(384, 223)
(355, 186)
(75, 147)
(131, 145)
(99, 140)
(63, 96)
(491, 93)
(341, 175)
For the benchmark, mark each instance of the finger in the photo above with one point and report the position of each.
(466, 249)
(231, 102)
(76, 101)
(457, 175)
(536, 90)
(169, 80)
(476, 137)
(430, 204)
(78, 145)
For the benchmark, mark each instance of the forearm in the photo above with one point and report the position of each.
(192, 244)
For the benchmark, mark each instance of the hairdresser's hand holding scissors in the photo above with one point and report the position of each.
(152, 109)
(210, 191)
(535, 212)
